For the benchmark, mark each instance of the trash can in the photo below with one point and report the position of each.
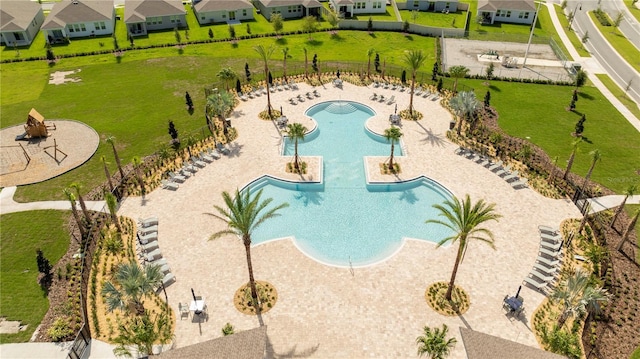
(452, 124)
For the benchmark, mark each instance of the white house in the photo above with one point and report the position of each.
(348, 8)
(19, 22)
(79, 18)
(430, 5)
(513, 11)
(211, 11)
(142, 16)
(289, 9)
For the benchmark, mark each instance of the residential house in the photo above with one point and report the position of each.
(348, 8)
(513, 11)
(289, 9)
(20, 22)
(432, 5)
(142, 16)
(212, 11)
(79, 18)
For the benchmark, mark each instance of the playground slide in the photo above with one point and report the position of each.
(22, 137)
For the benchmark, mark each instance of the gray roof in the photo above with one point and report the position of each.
(482, 346)
(218, 5)
(17, 15)
(73, 12)
(140, 10)
(343, 2)
(249, 344)
(493, 5)
(305, 3)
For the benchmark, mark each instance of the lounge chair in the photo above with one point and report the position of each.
(417, 91)
(545, 269)
(243, 97)
(394, 87)
(402, 88)
(149, 237)
(300, 98)
(545, 277)
(189, 168)
(177, 178)
(146, 222)
(511, 177)
(426, 93)
(184, 310)
(157, 262)
(309, 95)
(485, 161)
(391, 100)
(541, 286)
(152, 256)
(165, 268)
(213, 154)
(376, 84)
(146, 230)
(196, 162)
(200, 157)
(293, 85)
(220, 147)
(550, 263)
(373, 97)
(292, 101)
(168, 279)
(495, 166)
(285, 85)
(549, 230)
(460, 150)
(169, 185)
(316, 93)
(550, 253)
(551, 237)
(381, 98)
(521, 183)
(251, 95)
(149, 247)
(205, 157)
(506, 170)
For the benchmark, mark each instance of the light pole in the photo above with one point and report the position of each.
(533, 26)
(573, 14)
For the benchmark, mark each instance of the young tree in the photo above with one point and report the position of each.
(439, 85)
(434, 342)
(140, 334)
(112, 204)
(465, 105)
(232, 32)
(490, 70)
(112, 141)
(405, 26)
(630, 191)
(50, 56)
(74, 210)
(487, 99)
(77, 187)
(306, 63)
(465, 220)
(309, 25)
(585, 37)
(370, 25)
(226, 74)
(581, 78)
(277, 23)
(188, 100)
(630, 228)
(210, 33)
(137, 164)
(220, 104)
(618, 20)
(414, 59)
(176, 33)
(580, 125)
(248, 29)
(173, 132)
(458, 72)
(44, 267)
(578, 295)
(296, 132)
(574, 149)
(596, 157)
(285, 54)
(106, 172)
(370, 53)
(186, 34)
(332, 19)
(376, 62)
(243, 214)
(238, 87)
(314, 63)
(131, 284)
(434, 71)
(392, 135)
(265, 55)
(403, 77)
(247, 72)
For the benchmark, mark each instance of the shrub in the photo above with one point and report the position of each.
(228, 329)
(60, 329)
(602, 17)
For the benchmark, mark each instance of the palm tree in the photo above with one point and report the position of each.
(457, 72)
(296, 131)
(414, 59)
(392, 135)
(219, 104)
(630, 228)
(465, 105)
(265, 54)
(112, 204)
(574, 149)
(112, 141)
(130, 285)
(226, 74)
(370, 53)
(136, 167)
(243, 215)
(140, 334)
(435, 343)
(285, 54)
(77, 186)
(465, 220)
(106, 172)
(596, 156)
(74, 210)
(577, 296)
(306, 63)
(630, 191)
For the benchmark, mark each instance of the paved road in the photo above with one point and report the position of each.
(630, 27)
(618, 69)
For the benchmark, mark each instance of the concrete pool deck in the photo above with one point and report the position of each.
(329, 312)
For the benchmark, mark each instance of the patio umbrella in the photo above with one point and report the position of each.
(396, 110)
(194, 294)
(338, 74)
(518, 292)
(281, 113)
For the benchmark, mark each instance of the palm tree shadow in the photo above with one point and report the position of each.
(409, 196)
(309, 197)
(464, 321)
(431, 138)
(291, 353)
(235, 149)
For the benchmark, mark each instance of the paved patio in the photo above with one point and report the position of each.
(329, 312)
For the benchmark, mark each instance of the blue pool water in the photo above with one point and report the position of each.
(344, 221)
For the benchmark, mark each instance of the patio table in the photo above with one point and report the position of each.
(513, 303)
(197, 306)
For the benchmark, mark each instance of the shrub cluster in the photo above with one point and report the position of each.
(602, 17)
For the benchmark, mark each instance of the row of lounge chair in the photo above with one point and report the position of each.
(299, 98)
(380, 98)
(418, 91)
(503, 171)
(281, 86)
(191, 166)
(149, 251)
(544, 273)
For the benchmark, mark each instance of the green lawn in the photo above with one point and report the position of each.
(435, 19)
(388, 15)
(147, 88)
(635, 12)
(620, 43)
(619, 94)
(575, 41)
(21, 234)
(538, 112)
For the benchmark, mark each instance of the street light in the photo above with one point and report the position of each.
(533, 26)
(573, 14)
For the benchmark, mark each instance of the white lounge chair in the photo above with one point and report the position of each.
(541, 286)
(152, 256)
(188, 167)
(545, 277)
(503, 171)
(550, 263)
(381, 98)
(549, 230)
(147, 222)
(495, 166)
(292, 101)
(149, 247)
(376, 84)
(373, 97)
(550, 253)
(177, 178)
(168, 279)
(511, 177)
(205, 157)
(184, 310)
(545, 269)
(196, 162)
(165, 269)
(169, 185)
(220, 147)
(417, 91)
(213, 154)
(146, 230)
(243, 97)
(551, 237)
(391, 100)
(521, 183)
(158, 262)
(316, 93)
(150, 237)
(460, 150)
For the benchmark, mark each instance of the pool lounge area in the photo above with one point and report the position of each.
(329, 311)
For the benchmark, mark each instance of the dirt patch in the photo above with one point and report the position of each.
(62, 77)
(11, 326)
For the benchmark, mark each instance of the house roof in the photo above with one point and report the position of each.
(305, 3)
(494, 5)
(219, 5)
(140, 10)
(77, 11)
(481, 346)
(249, 344)
(343, 2)
(17, 15)
(33, 113)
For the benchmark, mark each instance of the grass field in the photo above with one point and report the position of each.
(21, 234)
(436, 19)
(619, 42)
(619, 94)
(575, 41)
(537, 112)
(636, 13)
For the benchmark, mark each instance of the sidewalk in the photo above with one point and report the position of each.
(606, 202)
(8, 205)
(592, 67)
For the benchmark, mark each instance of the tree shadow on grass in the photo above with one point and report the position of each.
(494, 88)
(585, 95)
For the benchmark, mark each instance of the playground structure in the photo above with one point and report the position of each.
(35, 127)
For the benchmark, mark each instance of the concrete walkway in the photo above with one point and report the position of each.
(35, 350)
(606, 202)
(8, 205)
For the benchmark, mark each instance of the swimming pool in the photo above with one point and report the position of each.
(344, 221)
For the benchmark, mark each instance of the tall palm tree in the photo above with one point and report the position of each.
(112, 204)
(265, 54)
(74, 210)
(574, 148)
(219, 104)
(243, 214)
(370, 53)
(306, 63)
(285, 54)
(137, 163)
(435, 343)
(630, 228)
(392, 135)
(414, 59)
(112, 141)
(465, 219)
(457, 72)
(465, 105)
(596, 156)
(77, 187)
(630, 191)
(130, 285)
(106, 172)
(577, 295)
(296, 131)
(226, 74)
